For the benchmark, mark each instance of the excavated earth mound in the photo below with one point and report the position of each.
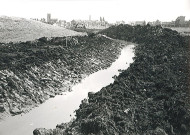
(33, 71)
(151, 97)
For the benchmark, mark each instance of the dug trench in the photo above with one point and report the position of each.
(33, 71)
(151, 97)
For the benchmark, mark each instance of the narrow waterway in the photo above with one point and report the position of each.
(60, 108)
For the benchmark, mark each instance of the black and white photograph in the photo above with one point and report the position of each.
(95, 67)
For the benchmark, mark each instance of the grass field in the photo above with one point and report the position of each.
(14, 29)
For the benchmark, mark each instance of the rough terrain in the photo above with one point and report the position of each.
(13, 29)
(33, 71)
(151, 97)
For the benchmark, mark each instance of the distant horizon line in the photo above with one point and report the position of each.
(29, 18)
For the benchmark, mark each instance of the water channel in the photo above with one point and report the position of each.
(61, 108)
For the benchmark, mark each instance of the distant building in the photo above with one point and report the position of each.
(43, 20)
(132, 23)
(165, 24)
(119, 22)
(51, 20)
(172, 24)
(90, 24)
(62, 23)
(155, 23)
(77, 24)
(40, 20)
(48, 18)
(150, 23)
(142, 23)
(100, 19)
(103, 19)
(180, 21)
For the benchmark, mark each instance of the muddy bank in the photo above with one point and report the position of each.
(61, 108)
(32, 72)
(150, 97)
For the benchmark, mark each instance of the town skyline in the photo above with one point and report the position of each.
(180, 21)
(97, 19)
(112, 10)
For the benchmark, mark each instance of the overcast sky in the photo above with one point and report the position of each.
(111, 10)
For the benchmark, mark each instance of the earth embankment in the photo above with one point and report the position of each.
(33, 71)
(14, 29)
(151, 97)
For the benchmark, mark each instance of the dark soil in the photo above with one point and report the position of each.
(151, 97)
(33, 71)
